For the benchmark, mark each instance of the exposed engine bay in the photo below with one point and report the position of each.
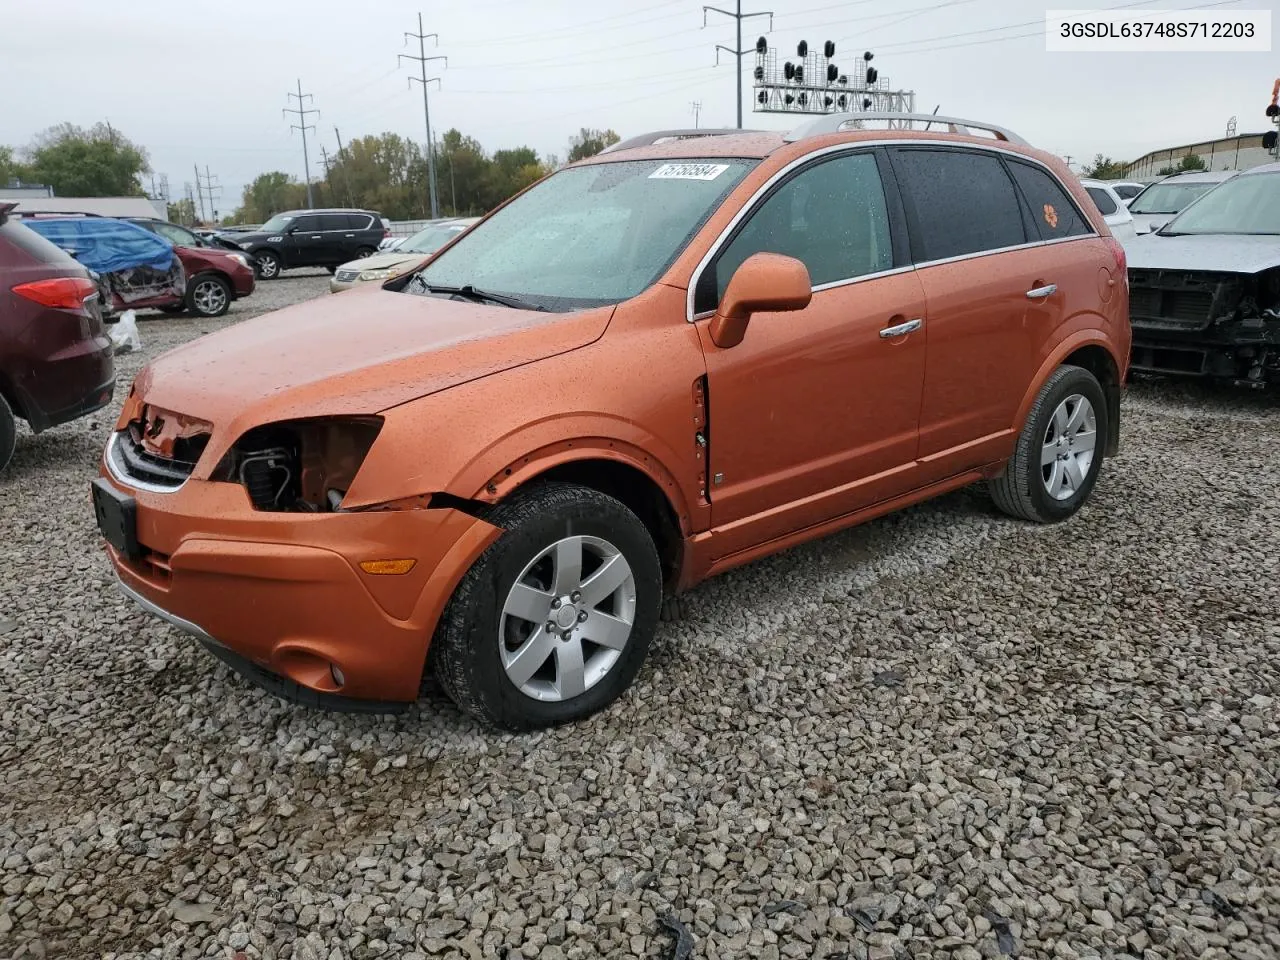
(1210, 324)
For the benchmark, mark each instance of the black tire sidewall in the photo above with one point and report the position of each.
(190, 298)
(1083, 382)
(8, 433)
(473, 633)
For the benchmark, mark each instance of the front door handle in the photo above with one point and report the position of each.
(901, 329)
(317, 238)
(1039, 293)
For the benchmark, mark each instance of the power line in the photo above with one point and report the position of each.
(737, 16)
(422, 60)
(301, 110)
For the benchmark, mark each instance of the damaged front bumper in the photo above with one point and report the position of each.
(1221, 326)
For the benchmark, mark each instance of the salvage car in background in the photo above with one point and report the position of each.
(1112, 208)
(55, 359)
(654, 365)
(1205, 288)
(1165, 199)
(391, 263)
(215, 275)
(136, 268)
(1126, 190)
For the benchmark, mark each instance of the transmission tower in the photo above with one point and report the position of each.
(695, 107)
(199, 192)
(209, 188)
(301, 110)
(422, 60)
(738, 16)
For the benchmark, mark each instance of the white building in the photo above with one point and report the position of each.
(1229, 153)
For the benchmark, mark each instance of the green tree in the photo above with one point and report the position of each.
(589, 142)
(1190, 162)
(98, 162)
(10, 168)
(184, 212)
(270, 193)
(1104, 168)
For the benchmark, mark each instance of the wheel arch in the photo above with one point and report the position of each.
(1092, 350)
(616, 469)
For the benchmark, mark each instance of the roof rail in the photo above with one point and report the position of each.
(836, 122)
(661, 136)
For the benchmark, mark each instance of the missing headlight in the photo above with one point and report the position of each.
(300, 466)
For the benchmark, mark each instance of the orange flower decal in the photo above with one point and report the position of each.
(1050, 215)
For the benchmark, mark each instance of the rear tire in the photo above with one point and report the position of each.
(8, 433)
(208, 296)
(1059, 453)
(527, 639)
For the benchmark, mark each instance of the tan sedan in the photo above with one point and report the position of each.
(384, 265)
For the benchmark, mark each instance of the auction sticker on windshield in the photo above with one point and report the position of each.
(689, 171)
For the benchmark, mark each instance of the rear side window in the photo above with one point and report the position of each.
(831, 216)
(1106, 206)
(14, 233)
(333, 221)
(963, 203)
(1052, 209)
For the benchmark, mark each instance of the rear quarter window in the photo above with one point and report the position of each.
(1053, 211)
(359, 221)
(961, 202)
(1106, 206)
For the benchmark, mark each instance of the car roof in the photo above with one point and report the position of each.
(295, 213)
(1265, 168)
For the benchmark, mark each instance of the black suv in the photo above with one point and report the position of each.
(313, 238)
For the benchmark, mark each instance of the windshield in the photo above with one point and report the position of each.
(588, 236)
(276, 223)
(1168, 197)
(1247, 204)
(431, 239)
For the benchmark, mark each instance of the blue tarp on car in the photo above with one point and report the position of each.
(105, 245)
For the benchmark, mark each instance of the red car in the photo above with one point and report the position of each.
(55, 360)
(215, 276)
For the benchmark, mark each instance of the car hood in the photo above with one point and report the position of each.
(244, 239)
(386, 260)
(360, 353)
(1216, 252)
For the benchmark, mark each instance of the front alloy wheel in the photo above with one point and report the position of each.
(268, 266)
(553, 622)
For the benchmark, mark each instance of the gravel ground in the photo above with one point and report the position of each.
(943, 734)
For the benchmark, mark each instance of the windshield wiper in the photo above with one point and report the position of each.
(470, 292)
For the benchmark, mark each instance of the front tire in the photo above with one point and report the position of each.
(363, 252)
(554, 620)
(1060, 451)
(267, 265)
(208, 296)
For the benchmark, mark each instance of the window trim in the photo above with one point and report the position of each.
(899, 254)
(751, 202)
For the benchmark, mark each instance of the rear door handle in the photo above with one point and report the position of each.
(901, 329)
(317, 238)
(1039, 293)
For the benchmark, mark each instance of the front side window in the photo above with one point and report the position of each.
(1169, 197)
(963, 203)
(831, 217)
(590, 235)
(1052, 210)
(176, 235)
(1247, 204)
(1106, 206)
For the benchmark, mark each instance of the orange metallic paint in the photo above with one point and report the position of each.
(814, 422)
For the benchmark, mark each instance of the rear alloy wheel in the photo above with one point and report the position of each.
(8, 433)
(1059, 452)
(268, 265)
(209, 296)
(554, 620)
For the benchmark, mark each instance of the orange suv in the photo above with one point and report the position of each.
(650, 367)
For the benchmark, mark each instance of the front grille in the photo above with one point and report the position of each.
(134, 464)
(1178, 308)
(347, 276)
(1180, 299)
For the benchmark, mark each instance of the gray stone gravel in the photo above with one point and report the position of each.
(944, 734)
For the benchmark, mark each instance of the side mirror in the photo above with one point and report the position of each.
(765, 283)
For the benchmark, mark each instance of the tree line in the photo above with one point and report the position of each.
(97, 162)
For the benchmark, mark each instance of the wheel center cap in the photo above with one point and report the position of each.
(566, 616)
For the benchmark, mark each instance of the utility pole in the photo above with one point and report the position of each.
(301, 110)
(209, 187)
(696, 106)
(191, 204)
(738, 16)
(324, 158)
(199, 194)
(346, 177)
(422, 59)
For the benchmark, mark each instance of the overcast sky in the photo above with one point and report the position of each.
(205, 83)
